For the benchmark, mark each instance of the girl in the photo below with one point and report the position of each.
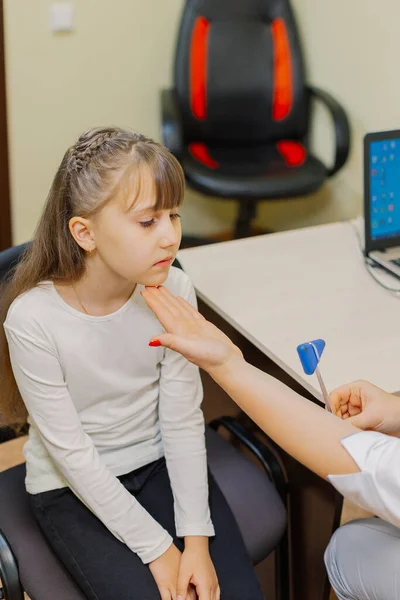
(105, 409)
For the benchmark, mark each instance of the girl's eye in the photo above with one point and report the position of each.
(147, 223)
(151, 222)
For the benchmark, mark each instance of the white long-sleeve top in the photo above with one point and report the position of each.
(376, 487)
(102, 403)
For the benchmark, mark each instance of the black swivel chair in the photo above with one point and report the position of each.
(256, 496)
(9, 259)
(238, 116)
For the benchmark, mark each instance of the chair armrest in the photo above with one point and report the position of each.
(171, 123)
(264, 454)
(9, 572)
(341, 125)
(277, 534)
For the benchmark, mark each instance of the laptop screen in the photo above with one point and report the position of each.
(384, 189)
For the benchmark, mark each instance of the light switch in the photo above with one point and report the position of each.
(61, 16)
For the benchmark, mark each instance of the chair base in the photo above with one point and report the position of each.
(247, 214)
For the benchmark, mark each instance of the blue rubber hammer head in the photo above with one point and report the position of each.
(310, 354)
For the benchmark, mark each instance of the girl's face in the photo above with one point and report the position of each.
(136, 242)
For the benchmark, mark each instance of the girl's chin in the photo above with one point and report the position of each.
(155, 280)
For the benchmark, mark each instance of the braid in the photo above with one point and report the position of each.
(86, 148)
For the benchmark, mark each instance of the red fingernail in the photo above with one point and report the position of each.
(155, 343)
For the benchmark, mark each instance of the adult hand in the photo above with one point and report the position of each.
(188, 332)
(368, 407)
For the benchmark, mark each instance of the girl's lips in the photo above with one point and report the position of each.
(163, 263)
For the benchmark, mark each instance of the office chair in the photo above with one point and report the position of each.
(238, 116)
(257, 498)
(9, 259)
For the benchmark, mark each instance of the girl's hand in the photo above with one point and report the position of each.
(197, 570)
(367, 407)
(188, 332)
(165, 570)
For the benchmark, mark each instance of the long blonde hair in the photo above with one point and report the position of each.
(87, 178)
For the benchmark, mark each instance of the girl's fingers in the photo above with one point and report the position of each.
(165, 594)
(203, 592)
(192, 594)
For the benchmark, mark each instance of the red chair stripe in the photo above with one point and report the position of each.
(294, 153)
(283, 80)
(198, 68)
(200, 152)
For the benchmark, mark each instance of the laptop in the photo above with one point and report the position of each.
(382, 199)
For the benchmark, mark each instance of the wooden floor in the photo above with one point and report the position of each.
(11, 455)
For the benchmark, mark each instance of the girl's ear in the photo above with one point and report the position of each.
(81, 231)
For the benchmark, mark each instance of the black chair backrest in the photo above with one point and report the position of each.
(9, 259)
(239, 74)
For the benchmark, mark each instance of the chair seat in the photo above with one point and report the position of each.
(256, 505)
(282, 170)
(42, 575)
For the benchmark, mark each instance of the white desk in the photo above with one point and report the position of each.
(286, 288)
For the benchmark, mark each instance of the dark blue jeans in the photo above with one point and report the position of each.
(106, 569)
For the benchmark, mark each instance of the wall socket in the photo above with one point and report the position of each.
(61, 16)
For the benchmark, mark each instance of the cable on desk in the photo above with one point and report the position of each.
(370, 266)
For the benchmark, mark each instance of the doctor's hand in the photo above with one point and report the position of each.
(188, 332)
(368, 407)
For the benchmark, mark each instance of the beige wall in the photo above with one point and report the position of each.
(110, 68)
(107, 71)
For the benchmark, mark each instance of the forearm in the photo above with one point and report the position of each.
(187, 466)
(182, 430)
(304, 430)
(200, 542)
